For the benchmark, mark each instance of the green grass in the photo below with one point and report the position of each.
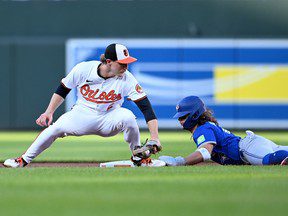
(203, 190)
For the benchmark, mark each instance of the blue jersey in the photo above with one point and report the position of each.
(226, 144)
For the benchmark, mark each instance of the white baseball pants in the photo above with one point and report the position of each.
(83, 121)
(254, 148)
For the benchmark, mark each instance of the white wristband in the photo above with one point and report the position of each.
(205, 153)
(180, 161)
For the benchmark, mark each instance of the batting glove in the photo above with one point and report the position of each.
(171, 161)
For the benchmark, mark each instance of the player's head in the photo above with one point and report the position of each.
(118, 53)
(189, 109)
(117, 58)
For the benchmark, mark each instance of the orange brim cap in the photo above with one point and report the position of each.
(127, 60)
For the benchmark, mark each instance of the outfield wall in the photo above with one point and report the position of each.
(33, 36)
(243, 81)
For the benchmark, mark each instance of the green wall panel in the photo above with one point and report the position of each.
(38, 73)
(195, 18)
(6, 98)
(33, 35)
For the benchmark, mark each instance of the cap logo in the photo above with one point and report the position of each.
(177, 107)
(125, 51)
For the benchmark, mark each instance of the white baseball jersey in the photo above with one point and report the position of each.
(101, 94)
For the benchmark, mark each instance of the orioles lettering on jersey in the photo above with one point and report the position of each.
(96, 97)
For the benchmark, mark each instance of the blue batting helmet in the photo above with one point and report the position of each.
(193, 106)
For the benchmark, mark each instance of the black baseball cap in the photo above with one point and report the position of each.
(119, 53)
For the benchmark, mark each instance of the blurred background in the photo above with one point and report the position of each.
(232, 53)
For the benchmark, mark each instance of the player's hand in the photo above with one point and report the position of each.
(150, 147)
(44, 119)
(154, 145)
(171, 161)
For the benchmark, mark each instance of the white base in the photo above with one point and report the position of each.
(129, 163)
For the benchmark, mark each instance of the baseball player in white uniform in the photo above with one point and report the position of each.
(101, 88)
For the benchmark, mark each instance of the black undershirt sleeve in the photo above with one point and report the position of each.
(145, 106)
(62, 90)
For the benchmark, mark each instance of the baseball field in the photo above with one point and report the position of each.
(89, 190)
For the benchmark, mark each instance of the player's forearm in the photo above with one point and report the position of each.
(200, 155)
(153, 128)
(55, 102)
(193, 158)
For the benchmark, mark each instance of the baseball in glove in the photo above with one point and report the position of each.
(145, 151)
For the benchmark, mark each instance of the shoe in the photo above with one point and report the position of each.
(15, 163)
(284, 162)
(147, 162)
